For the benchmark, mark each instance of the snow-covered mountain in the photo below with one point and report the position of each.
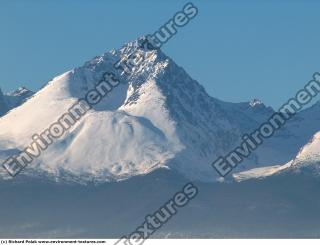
(13, 99)
(158, 117)
(155, 131)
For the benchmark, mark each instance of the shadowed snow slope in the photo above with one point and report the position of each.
(158, 117)
(307, 161)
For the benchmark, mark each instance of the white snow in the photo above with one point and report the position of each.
(311, 151)
(258, 173)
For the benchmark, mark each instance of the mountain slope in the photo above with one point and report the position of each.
(307, 160)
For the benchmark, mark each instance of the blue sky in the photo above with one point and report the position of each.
(238, 50)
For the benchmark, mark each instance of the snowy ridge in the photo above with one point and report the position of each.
(260, 173)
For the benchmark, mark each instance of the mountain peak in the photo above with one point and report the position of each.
(20, 91)
(255, 102)
(130, 52)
